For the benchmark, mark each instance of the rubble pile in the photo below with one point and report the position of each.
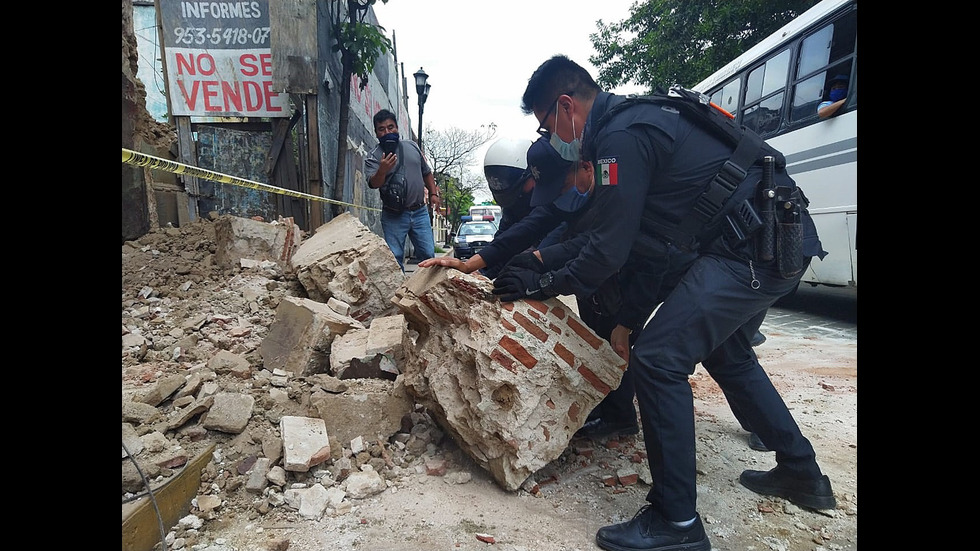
(200, 372)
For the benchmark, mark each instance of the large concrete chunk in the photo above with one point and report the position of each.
(305, 442)
(371, 408)
(239, 238)
(299, 339)
(347, 261)
(512, 382)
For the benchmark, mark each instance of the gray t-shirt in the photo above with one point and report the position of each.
(413, 166)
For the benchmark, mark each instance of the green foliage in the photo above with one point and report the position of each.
(458, 199)
(359, 43)
(666, 42)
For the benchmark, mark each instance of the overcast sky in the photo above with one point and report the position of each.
(479, 55)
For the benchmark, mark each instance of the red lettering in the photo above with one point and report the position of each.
(204, 64)
(253, 96)
(190, 99)
(211, 65)
(210, 91)
(233, 94)
(269, 94)
(185, 64)
(355, 90)
(248, 65)
(266, 60)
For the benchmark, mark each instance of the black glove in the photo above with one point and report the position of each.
(517, 283)
(527, 260)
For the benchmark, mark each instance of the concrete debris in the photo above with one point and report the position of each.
(511, 381)
(228, 341)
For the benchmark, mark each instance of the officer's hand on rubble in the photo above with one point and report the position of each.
(516, 283)
(527, 260)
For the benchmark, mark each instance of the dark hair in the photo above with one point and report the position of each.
(559, 75)
(383, 115)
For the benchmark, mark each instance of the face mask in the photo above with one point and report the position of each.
(838, 94)
(571, 152)
(573, 200)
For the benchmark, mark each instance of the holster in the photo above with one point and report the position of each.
(790, 203)
(789, 249)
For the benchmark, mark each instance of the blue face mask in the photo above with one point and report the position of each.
(573, 200)
(571, 152)
(838, 94)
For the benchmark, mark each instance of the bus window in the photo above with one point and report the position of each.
(815, 51)
(727, 96)
(767, 78)
(807, 97)
(833, 43)
(764, 116)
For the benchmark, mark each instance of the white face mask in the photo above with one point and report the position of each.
(569, 151)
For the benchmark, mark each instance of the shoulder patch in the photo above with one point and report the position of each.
(607, 171)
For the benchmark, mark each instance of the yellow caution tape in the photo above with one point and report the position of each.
(142, 159)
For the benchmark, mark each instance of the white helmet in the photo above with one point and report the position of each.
(505, 167)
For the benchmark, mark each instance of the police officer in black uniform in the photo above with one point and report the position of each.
(511, 168)
(665, 174)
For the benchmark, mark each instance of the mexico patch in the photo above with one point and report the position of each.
(608, 173)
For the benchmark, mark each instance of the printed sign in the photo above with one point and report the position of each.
(219, 62)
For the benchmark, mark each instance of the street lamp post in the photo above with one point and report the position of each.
(422, 89)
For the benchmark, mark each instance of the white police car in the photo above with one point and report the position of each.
(475, 233)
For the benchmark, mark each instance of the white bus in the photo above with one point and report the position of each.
(774, 88)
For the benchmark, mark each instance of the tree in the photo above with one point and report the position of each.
(450, 152)
(360, 44)
(666, 42)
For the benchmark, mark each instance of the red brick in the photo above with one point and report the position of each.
(435, 467)
(509, 306)
(565, 354)
(586, 334)
(503, 360)
(556, 329)
(518, 352)
(629, 480)
(531, 327)
(508, 325)
(574, 410)
(559, 312)
(609, 480)
(594, 380)
(537, 305)
(550, 404)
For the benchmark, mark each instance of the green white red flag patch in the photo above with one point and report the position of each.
(608, 171)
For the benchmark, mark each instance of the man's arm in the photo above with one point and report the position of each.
(830, 110)
(377, 171)
(430, 183)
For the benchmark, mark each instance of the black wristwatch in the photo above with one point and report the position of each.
(547, 279)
